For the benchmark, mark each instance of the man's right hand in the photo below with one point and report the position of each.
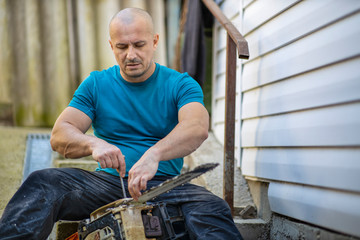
(109, 156)
(69, 139)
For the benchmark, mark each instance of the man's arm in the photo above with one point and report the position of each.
(69, 139)
(186, 137)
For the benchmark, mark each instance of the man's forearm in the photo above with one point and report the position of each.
(68, 135)
(184, 139)
(187, 136)
(69, 139)
(71, 142)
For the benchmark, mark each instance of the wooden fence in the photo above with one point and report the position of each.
(47, 47)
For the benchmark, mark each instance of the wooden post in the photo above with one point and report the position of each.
(229, 138)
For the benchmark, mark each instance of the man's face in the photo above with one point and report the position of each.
(134, 46)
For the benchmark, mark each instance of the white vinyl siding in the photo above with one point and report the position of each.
(300, 109)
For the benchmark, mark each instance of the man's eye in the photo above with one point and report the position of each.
(139, 45)
(121, 46)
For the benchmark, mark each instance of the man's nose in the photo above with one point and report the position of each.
(131, 54)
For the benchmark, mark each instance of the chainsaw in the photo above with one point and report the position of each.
(127, 219)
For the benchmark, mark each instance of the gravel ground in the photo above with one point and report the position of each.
(212, 151)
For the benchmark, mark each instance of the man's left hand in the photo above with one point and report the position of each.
(141, 173)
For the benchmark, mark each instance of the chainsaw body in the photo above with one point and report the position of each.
(127, 219)
(136, 221)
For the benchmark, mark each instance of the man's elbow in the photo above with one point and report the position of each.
(205, 135)
(58, 146)
(54, 141)
(202, 134)
(203, 129)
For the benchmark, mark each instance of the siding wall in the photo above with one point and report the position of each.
(300, 109)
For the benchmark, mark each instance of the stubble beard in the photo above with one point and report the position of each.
(135, 74)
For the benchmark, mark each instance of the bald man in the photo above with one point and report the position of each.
(149, 113)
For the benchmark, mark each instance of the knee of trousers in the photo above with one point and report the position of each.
(48, 175)
(208, 203)
(213, 202)
(216, 204)
(48, 178)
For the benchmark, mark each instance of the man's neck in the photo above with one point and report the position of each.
(141, 78)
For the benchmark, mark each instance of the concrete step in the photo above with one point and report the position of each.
(63, 230)
(86, 164)
(250, 229)
(253, 229)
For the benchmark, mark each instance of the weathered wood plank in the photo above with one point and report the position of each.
(57, 80)
(105, 10)
(6, 57)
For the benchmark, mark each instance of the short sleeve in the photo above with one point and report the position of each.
(187, 91)
(83, 98)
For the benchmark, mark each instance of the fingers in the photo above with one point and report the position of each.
(137, 182)
(122, 165)
(136, 185)
(108, 160)
(142, 171)
(109, 156)
(143, 184)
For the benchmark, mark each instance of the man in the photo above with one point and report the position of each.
(146, 118)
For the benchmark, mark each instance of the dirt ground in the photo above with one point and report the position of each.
(12, 154)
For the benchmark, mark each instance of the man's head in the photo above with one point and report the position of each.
(133, 42)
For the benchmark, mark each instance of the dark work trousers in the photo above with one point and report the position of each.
(50, 195)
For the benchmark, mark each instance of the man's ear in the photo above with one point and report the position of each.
(156, 40)
(112, 48)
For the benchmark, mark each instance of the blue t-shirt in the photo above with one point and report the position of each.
(134, 116)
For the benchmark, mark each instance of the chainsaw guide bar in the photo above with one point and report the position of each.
(174, 182)
(157, 190)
